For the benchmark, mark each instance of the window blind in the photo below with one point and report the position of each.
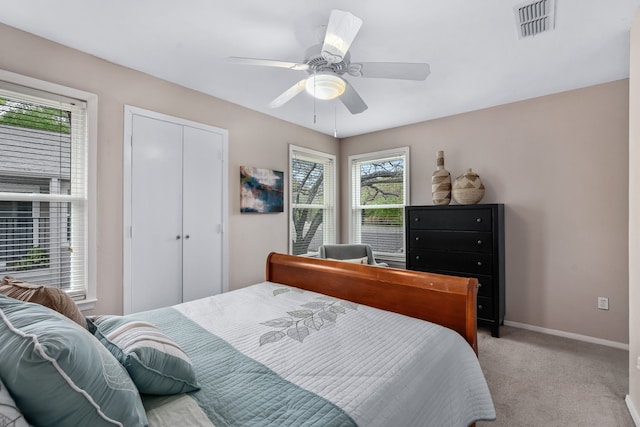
(378, 197)
(43, 188)
(312, 200)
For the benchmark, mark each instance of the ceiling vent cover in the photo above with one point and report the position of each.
(535, 17)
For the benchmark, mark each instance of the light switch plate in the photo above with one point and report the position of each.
(603, 303)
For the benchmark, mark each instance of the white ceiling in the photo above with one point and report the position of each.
(472, 47)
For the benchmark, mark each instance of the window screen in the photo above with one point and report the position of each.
(43, 188)
(378, 197)
(312, 200)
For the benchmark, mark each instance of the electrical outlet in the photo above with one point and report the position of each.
(603, 303)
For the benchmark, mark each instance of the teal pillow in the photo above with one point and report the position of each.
(59, 374)
(156, 364)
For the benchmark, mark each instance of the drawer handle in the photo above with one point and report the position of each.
(417, 238)
(416, 219)
(479, 242)
(417, 256)
(479, 285)
(479, 306)
(478, 219)
(479, 263)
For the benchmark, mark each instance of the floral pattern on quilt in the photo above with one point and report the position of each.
(311, 317)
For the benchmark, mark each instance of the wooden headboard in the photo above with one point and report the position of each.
(446, 300)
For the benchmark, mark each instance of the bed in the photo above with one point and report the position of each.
(318, 343)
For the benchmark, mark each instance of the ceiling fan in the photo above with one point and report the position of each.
(326, 64)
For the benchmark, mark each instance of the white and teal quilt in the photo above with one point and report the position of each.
(272, 355)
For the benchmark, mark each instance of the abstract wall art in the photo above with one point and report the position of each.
(261, 190)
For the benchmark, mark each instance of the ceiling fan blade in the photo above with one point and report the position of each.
(268, 63)
(341, 30)
(352, 100)
(390, 70)
(288, 94)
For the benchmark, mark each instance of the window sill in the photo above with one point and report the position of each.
(86, 304)
(395, 262)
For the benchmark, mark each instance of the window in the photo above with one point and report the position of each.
(379, 188)
(44, 196)
(312, 200)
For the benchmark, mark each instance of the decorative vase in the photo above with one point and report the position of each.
(468, 188)
(441, 182)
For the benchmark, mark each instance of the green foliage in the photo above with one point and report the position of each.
(390, 216)
(34, 116)
(36, 258)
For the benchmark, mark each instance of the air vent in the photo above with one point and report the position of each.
(535, 17)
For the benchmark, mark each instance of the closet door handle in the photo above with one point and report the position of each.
(178, 237)
(187, 236)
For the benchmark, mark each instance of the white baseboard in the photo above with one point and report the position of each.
(632, 411)
(578, 337)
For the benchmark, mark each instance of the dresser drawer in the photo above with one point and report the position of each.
(463, 241)
(484, 308)
(464, 219)
(485, 285)
(467, 263)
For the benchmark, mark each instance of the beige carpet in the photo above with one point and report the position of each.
(543, 380)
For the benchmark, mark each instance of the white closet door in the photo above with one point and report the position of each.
(156, 213)
(202, 213)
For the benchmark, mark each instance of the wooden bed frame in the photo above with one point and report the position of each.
(446, 300)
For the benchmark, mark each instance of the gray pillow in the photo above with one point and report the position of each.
(59, 374)
(156, 364)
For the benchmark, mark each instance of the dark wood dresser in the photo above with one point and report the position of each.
(462, 240)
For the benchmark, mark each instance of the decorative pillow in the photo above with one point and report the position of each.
(156, 364)
(49, 296)
(59, 374)
(363, 260)
(10, 415)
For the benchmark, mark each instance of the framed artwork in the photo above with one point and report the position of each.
(261, 190)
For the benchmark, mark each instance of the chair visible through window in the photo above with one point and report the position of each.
(350, 252)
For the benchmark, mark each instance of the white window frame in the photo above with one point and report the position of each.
(355, 212)
(28, 85)
(329, 225)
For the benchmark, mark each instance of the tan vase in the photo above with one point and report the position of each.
(468, 188)
(441, 182)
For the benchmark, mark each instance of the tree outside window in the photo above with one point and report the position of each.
(312, 200)
(379, 189)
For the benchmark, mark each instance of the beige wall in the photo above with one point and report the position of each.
(560, 165)
(634, 217)
(254, 140)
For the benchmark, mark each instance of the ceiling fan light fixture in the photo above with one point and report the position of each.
(325, 86)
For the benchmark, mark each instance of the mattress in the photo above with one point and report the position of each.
(271, 354)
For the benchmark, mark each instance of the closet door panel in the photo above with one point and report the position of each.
(202, 213)
(156, 214)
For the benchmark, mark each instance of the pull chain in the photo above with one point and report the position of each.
(335, 119)
(314, 99)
